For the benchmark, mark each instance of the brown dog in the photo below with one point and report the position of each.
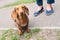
(20, 16)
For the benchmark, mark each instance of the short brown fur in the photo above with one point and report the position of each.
(20, 16)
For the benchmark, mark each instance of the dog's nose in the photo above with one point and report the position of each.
(21, 12)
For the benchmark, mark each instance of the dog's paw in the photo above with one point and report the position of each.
(20, 32)
(28, 30)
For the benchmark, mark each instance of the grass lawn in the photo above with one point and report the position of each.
(13, 35)
(35, 34)
(18, 2)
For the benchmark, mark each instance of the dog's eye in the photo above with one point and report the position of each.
(17, 8)
(17, 16)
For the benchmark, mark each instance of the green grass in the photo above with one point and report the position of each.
(36, 30)
(32, 32)
(18, 3)
(3, 36)
(8, 34)
(15, 36)
(58, 34)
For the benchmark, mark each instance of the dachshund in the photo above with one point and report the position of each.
(20, 17)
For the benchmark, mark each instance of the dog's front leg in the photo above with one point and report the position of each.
(20, 31)
(27, 30)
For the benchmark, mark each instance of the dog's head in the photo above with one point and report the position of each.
(21, 12)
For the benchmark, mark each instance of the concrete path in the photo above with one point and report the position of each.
(4, 2)
(40, 21)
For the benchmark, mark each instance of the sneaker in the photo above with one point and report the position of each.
(38, 12)
(49, 12)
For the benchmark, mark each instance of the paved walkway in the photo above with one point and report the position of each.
(4, 2)
(40, 21)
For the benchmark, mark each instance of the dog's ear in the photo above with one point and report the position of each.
(15, 10)
(13, 14)
(17, 16)
(26, 10)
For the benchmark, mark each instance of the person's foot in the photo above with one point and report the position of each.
(38, 11)
(49, 9)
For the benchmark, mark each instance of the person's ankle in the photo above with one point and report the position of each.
(49, 6)
(39, 8)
